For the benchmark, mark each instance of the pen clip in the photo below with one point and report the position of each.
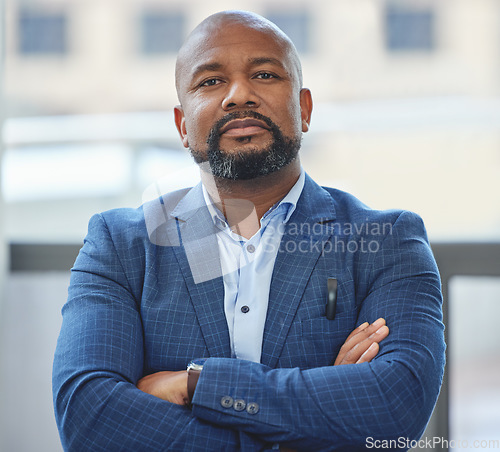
(331, 303)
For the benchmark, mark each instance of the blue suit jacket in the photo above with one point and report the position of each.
(146, 295)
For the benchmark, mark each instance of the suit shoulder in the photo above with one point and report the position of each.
(144, 223)
(128, 217)
(123, 218)
(350, 209)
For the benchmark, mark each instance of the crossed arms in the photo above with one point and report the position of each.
(361, 346)
(102, 357)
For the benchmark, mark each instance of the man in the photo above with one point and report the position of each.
(259, 270)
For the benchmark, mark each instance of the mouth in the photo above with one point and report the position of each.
(243, 127)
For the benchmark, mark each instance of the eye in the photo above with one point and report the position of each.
(210, 82)
(265, 76)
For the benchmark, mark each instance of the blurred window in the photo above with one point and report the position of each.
(161, 32)
(42, 32)
(297, 25)
(474, 367)
(409, 29)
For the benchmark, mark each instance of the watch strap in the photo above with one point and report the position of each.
(194, 369)
(193, 376)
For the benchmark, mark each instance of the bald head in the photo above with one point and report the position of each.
(203, 36)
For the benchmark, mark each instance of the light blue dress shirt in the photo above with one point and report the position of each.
(247, 267)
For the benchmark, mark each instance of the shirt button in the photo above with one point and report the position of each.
(245, 309)
(239, 405)
(252, 408)
(226, 401)
(251, 249)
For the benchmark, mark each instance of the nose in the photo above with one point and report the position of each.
(240, 94)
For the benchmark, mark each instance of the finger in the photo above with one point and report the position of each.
(357, 330)
(363, 333)
(357, 336)
(374, 347)
(346, 347)
(353, 350)
(355, 354)
(380, 334)
(369, 354)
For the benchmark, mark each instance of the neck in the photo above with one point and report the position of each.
(244, 202)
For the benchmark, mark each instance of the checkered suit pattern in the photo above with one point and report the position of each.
(134, 308)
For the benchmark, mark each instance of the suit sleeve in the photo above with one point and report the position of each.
(338, 408)
(99, 359)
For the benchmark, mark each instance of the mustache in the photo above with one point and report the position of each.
(215, 131)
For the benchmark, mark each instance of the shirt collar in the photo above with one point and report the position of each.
(288, 204)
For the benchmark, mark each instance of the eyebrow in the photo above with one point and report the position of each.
(265, 60)
(206, 67)
(257, 61)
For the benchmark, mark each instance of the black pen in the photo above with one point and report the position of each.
(331, 304)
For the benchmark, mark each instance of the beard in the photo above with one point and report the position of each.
(250, 163)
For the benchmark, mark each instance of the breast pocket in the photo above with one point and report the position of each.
(322, 338)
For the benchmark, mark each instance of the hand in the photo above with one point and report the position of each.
(361, 346)
(169, 386)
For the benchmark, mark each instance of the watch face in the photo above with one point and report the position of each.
(197, 364)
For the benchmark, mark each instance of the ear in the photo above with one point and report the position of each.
(306, 106)
(180, 123)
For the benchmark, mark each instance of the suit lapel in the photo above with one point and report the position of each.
(310, 226)
(198, 258)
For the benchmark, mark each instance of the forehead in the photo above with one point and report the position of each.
(234, 42)
(230, 35)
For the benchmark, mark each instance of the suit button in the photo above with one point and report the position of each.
(239, 405)
(252, 408)
(245, 309)
(226, 401)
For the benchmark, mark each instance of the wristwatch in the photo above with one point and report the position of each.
(194, 369)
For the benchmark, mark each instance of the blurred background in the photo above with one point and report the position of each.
(407, 115)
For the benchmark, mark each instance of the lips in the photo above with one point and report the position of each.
(240, 127)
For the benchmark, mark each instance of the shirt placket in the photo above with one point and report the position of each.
(246, 309)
